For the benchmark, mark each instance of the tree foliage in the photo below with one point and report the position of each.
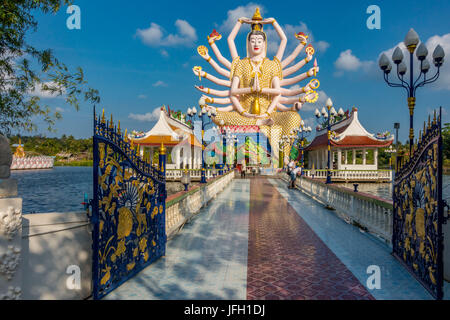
(25, 69)
(446, 140)
(39, 145)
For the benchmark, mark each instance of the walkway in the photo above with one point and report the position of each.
(259, 240)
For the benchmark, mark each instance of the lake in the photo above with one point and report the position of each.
(62, 189)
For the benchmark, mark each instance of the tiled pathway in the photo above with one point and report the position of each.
(286, 259)
(259, 240)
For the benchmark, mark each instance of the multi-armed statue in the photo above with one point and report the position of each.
(256, 91)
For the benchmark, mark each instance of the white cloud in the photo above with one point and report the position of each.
(159, 83)
(149, 116)
(241, 11)
(164, 53)
(444, 79)
(290, 31)
(142, 96)
(154, 35)
(59, 109)
(349, 62)
(272, 37)
(40, 92)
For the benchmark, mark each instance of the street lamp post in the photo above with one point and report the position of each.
(282, 142)
(390, 151)
(411, 41)
(302, 133)
(202, 116)
(235, 140)
(226, 136)
(327, 117)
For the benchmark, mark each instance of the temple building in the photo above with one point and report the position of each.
(178, 137)
(352, 147)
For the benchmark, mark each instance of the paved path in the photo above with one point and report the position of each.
(286, 259)
(259, 240)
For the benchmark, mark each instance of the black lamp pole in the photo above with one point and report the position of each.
(411, 41)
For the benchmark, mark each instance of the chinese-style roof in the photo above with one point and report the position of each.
(349, 133)
(168, 131)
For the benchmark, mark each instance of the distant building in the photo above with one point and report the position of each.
(352, 147)
(178, 137)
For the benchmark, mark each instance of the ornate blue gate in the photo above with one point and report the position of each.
(128, 209)
(418, 210)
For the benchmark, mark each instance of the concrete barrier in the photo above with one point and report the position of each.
(364, 210)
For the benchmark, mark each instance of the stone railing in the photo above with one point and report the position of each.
(362, 209)
(195, 174)
(184, 205)
(350, 175)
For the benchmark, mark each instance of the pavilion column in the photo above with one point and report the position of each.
(375, 157)
(177, 158)
(151, 154)
(364, 156)
(354, 156)
(339, 159)
(345, 157)
(190, 159)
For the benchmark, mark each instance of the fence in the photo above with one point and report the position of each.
(350, 175)
(367, 211)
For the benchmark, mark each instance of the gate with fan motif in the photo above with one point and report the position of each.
(418, 210)
(128, 209)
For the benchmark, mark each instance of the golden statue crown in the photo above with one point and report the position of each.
(257, 17)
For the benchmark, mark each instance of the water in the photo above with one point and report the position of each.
(60, 189)
(384, 190)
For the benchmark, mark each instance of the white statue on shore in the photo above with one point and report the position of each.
(256, 93)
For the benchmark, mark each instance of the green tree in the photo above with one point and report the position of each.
(24, 69)
(446, 140)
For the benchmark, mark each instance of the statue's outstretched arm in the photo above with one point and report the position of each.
(223, 109)
(216, 100)
(214, 79)
(296, 107)
(282, 36)
(218, 93)
(302, 37)
(300, 77)
(219, 56)
(307, 88)
(301, 99)
(232, 36)
(283, 108)
(235, 101)
(216, 67)
(273, 104)
(296, 67)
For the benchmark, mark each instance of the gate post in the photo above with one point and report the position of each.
(162, 159)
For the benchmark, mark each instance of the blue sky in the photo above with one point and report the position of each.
(137, 72)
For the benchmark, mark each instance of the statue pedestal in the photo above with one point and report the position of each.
(10, 240)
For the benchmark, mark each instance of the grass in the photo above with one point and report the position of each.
(78, 163)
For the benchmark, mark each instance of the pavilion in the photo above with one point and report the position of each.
(178, 137)
(352, 146)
